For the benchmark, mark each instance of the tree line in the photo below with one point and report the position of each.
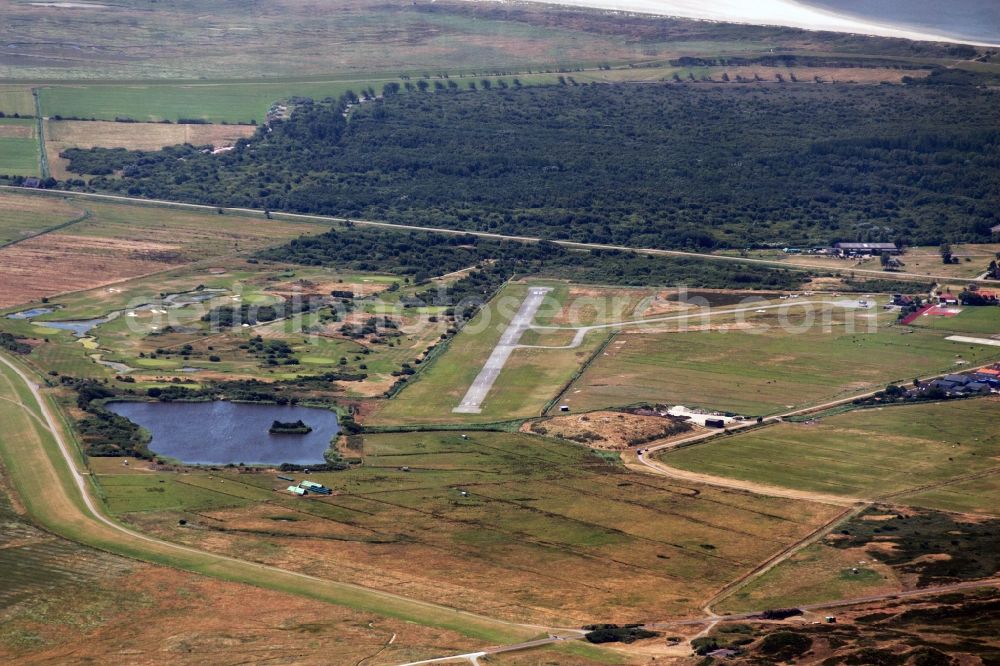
(421, 255)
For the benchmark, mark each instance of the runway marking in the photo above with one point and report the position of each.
(473, 400)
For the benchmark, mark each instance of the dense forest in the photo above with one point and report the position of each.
(421, 255)
(664, 165)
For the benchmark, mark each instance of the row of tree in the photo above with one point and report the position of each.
(422, 255)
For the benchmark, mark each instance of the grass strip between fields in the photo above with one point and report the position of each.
(43, 159)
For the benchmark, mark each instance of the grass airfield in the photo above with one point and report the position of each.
(864, 453)
(754, 373)
(569, 532)
(563, 534)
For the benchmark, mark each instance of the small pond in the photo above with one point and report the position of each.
(79, 328)
(219, 433)
(191, 297)
(28, 314)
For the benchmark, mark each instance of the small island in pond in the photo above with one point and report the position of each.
(289, 428)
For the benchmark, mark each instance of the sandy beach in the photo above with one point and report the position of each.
(758, 12)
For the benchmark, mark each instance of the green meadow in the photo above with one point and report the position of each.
(16, 99)
(979, 320)
(755, 374)
(865, 453)
(215, 102)
(19, 152)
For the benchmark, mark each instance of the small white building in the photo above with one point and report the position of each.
(699, 416)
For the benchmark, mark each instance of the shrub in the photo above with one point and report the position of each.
(783, 645)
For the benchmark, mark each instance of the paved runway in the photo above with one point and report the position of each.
(473, 400)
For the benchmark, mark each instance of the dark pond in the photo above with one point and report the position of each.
(219, 433)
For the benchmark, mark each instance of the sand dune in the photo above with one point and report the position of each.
(757, 12)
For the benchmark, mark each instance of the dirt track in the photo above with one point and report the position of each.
(646, 465)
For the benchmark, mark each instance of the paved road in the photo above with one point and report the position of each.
(485, 234)
(473, 400)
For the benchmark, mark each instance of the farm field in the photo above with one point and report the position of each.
(981, 320)
(761, 372)
(864, 453)
(19, 154)
(196, 235)
(22, 215)
(16, 99)
(33, 562)
(63, 134)
(121, 241)
(222, 102)
(562, 533)
(151, 102)
(161, 492)
(38, 267)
